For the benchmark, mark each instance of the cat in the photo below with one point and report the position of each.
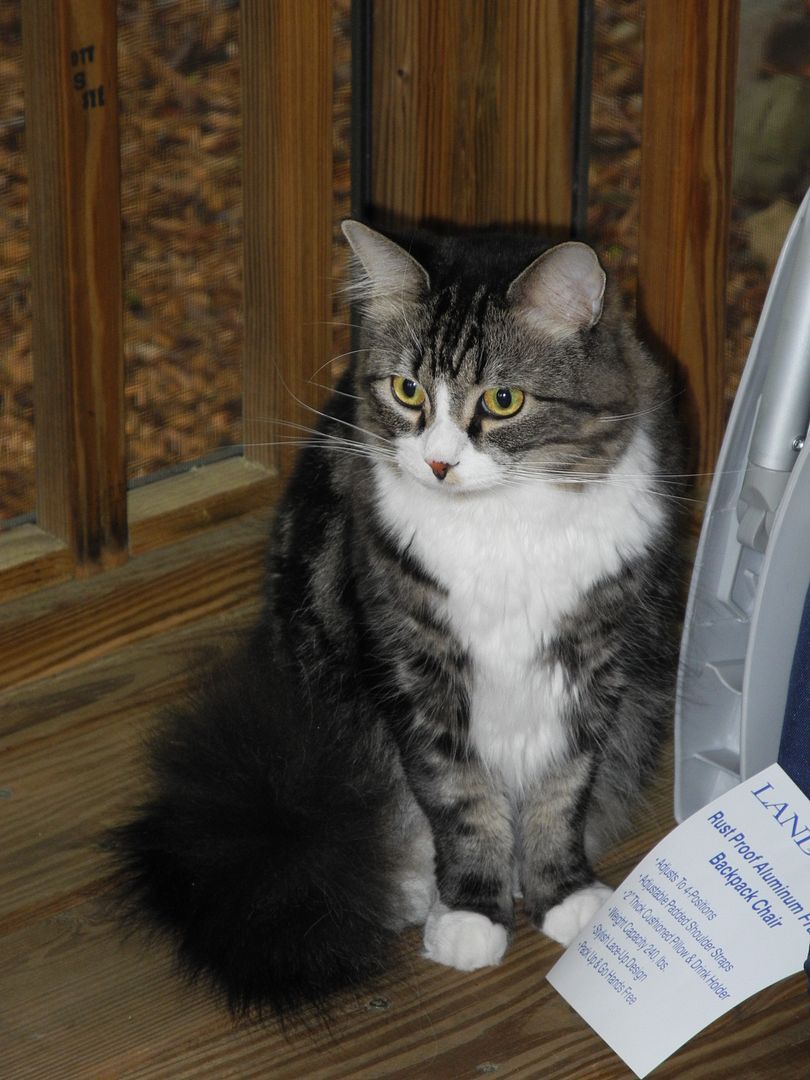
(464, 668)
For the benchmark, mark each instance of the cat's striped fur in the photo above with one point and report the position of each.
(465, 664)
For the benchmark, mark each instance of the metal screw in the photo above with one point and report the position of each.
(379, 1003)
(487, 1067)
(798, 443)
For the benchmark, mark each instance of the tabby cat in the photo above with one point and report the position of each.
(465, 662)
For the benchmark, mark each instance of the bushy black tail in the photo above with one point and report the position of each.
(264, 851)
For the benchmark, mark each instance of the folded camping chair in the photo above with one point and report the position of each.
(743, 697)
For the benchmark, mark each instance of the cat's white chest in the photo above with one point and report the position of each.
(514, 561)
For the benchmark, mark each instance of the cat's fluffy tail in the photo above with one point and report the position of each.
(265, 849)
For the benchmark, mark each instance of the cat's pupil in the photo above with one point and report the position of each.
(409, 388)
(504, 397)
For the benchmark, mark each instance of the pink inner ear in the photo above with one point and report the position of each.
(391, 271)
(562, 290)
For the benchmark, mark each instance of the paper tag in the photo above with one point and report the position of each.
(718, 910)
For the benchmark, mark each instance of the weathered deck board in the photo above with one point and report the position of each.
(82, 1001)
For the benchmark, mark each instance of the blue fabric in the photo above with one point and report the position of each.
(794, 748)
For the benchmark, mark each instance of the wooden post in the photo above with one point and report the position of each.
(473, 106)
(287, 115)
(71, 97)
(690, 51)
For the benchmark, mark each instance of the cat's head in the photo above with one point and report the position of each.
(486, 363)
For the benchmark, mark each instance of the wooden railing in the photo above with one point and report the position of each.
(471, 110)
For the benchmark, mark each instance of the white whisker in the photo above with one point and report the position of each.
(317, 433)
(642, 412)
(579, 479)
(334, 390)
(368, 452)
(334, 360)
(328, 416)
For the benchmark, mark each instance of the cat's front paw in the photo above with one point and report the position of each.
(565, 920)
(463, 940)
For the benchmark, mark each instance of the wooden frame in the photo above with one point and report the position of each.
(72, 107)
(472, 114)
(86, 519)
(48, 631)
(690, 51)
(287, 109)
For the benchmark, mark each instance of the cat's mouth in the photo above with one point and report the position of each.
(450, 478)
(447, 478)
(444, 469)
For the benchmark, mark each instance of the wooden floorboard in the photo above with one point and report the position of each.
(79, 999)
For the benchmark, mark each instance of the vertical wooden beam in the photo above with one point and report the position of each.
(473, 111)
(287, 115)
(690, 52)
(71, 99)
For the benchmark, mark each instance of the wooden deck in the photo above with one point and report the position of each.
(78, 1000)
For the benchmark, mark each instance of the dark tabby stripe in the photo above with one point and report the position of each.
(407, 562)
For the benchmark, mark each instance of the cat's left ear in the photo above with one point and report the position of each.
(390, 272)
(561, 291)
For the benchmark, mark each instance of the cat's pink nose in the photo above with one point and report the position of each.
(440, 469)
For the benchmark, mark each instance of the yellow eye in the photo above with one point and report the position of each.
(503, 401)
(407, 392)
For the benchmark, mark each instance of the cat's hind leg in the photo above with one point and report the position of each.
(416, 875)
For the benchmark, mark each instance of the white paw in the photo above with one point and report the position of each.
(564, 921)
(463, 940)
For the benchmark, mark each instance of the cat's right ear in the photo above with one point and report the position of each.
(389, 273)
